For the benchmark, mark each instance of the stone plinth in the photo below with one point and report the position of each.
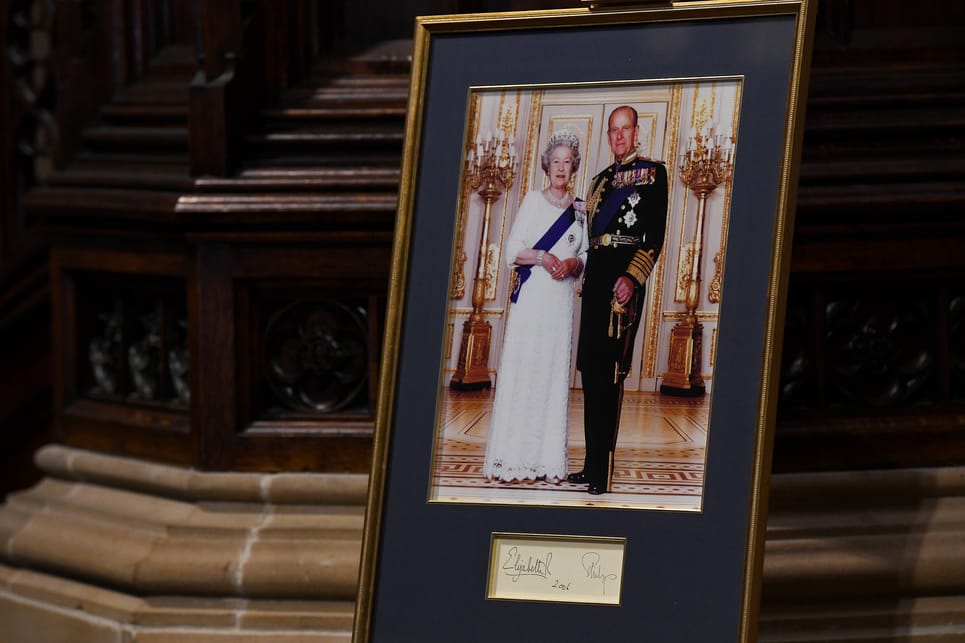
(115, 549)
(865, 557)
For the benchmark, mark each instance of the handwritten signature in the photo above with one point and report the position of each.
(515, 566)
(591, 565)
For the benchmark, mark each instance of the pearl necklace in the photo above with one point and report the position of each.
(559, 203)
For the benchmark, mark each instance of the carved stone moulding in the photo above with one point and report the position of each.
(865, 556)
(106, 548)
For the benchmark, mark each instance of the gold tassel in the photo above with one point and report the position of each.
(616, 318)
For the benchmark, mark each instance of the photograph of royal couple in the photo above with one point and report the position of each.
(604, 247)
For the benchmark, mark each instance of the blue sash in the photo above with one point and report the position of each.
(608, 209)
(547, 241)
(624, 182)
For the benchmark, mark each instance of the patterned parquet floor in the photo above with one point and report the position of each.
(659, 457)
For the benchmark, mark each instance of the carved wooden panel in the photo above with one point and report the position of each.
(301, 369)
(131, 339)
(299, 155)
(871, 363)
(880, 343)
(315, 357)
(120, 346)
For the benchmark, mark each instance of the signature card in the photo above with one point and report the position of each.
(560, 569)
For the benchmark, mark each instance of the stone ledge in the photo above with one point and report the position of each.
(188, 556)
(931, 619)
(175, 482)
(97, 522)
(865, 556)
(808, 489)
(39, 607)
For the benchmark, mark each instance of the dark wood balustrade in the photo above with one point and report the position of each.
(157, 182)
(309, 154)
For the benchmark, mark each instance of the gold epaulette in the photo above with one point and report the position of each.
(593, 199)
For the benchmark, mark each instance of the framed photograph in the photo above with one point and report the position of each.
(582, 341)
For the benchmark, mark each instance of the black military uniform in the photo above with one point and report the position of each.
(626, 219)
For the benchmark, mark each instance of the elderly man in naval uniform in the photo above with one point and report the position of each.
(626, 218)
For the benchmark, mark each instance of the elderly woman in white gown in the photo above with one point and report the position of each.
(527, 436)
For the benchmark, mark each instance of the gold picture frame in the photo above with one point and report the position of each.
(427, 561)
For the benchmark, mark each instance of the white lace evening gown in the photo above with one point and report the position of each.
(527, 436)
